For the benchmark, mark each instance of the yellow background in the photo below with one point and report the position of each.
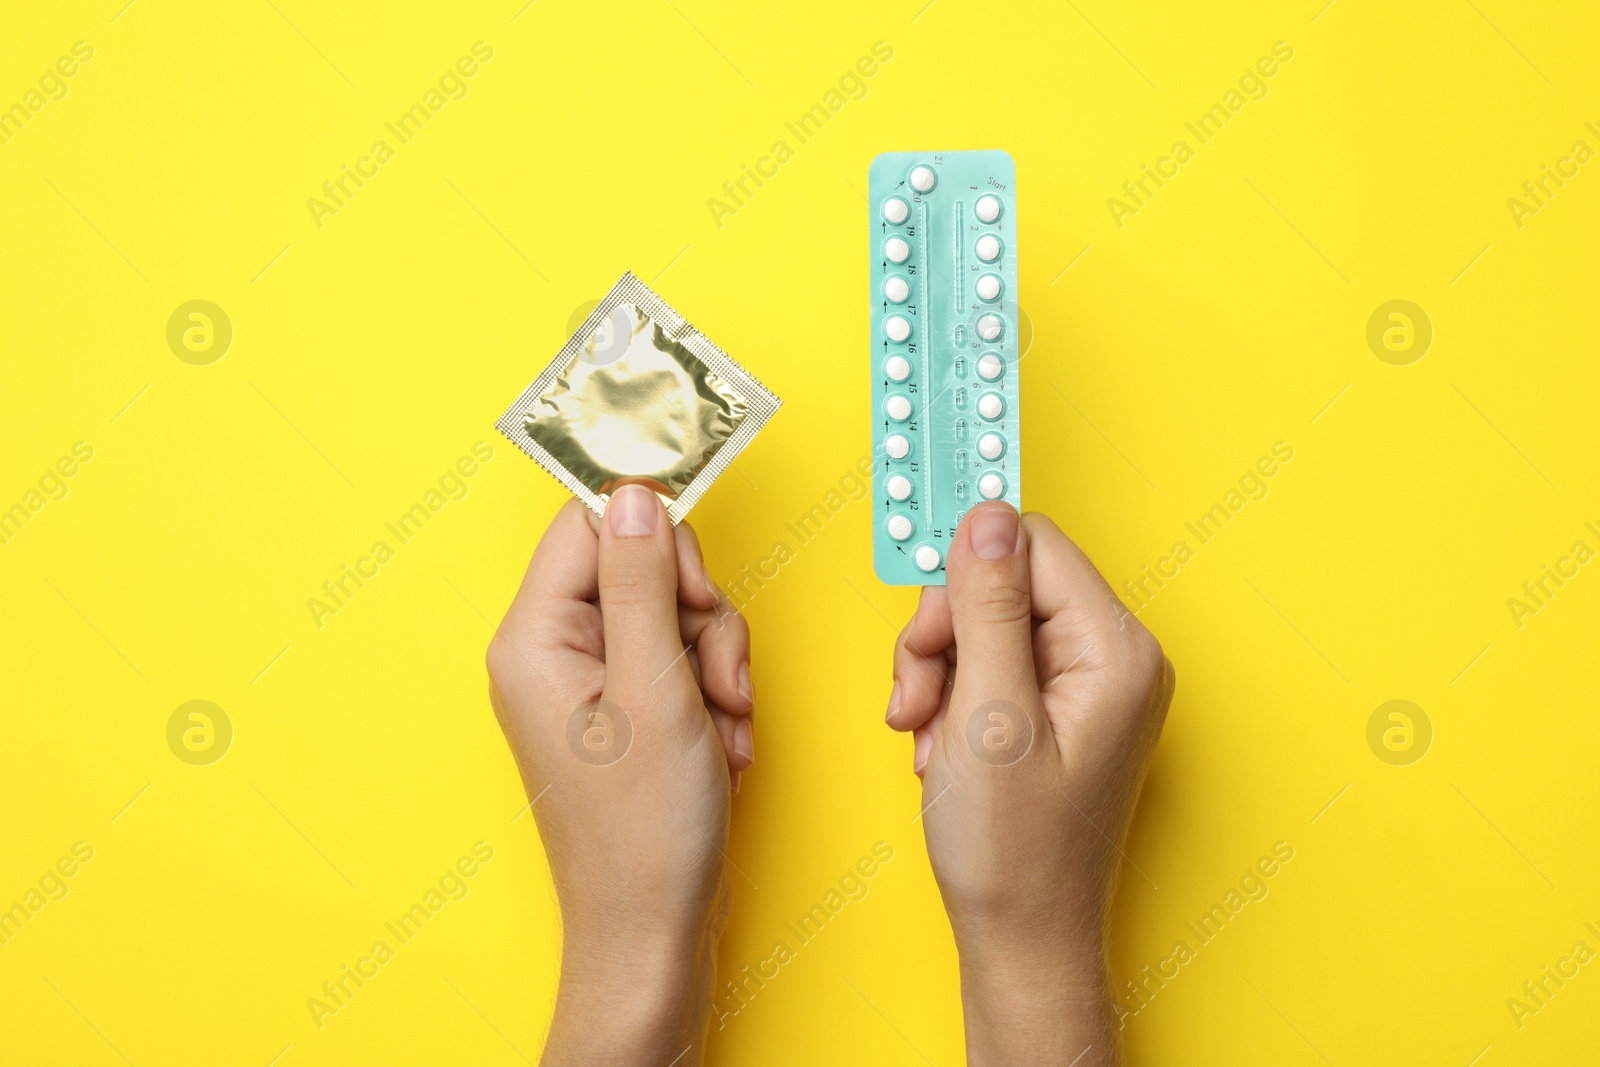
(372, 352)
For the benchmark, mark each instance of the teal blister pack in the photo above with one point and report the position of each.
(943, 247)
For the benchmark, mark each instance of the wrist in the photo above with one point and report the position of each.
(1038, 1000)
(632, 999)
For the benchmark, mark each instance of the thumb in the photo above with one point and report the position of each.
(991, 607)
(638, 567)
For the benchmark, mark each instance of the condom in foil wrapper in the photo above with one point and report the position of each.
(638, 396)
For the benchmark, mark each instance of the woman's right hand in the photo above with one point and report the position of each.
(1035, 699)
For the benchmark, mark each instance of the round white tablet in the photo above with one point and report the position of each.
(895, 446)
(897, 408)
(896, 328)
(927, 558)
(990, 327)
(988, 248)
(991, 486)
(896, 250)
(896, 289)
(989, 287)
(923, 178)
(896, 210)
(987, 208)
(899, 487)
(991, 446)
(990, 366)
(990, 405)
(898, 368)
(899, 527)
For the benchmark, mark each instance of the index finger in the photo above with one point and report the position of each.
(565, 566)
(1067, 587)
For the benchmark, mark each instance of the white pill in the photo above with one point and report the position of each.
(899, 487)
(987, 208)
(991, 486)
(898, 408)
(896, 250)
(990, 405)
(899, 527)
(988, 248)
(897, 328)
(991, 446)
(896, 289)
(923, 178)
(898, 368)
(990, 327)
(896, 446)
(989, 287)
(990, 366)
(927, 557)
(895, 210)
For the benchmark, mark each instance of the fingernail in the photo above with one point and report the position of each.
(711, 587)
(919, 757)
(994, 533)
(894, 700)
(733, 780)
(744, 682)
(632, 512)
(743, 741)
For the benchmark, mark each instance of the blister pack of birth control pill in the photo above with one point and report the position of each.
(943, 248)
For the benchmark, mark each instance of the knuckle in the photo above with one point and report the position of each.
(742, 637)
(738, 627)
(1142, 651)
(999, 604)
(902, 641)
(1147, 667)
(1147, 654)
(503, 662)
(1148, 672)
(629, 586)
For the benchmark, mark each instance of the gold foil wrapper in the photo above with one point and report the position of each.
(638, 395)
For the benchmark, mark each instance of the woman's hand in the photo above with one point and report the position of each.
(1032, 745)
(622, 681)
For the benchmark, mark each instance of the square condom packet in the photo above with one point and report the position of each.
(638, 395)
